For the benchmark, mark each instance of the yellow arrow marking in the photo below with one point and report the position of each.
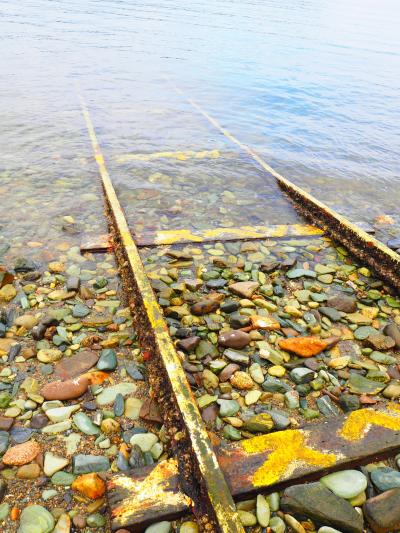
(359, 422)
(288, 448)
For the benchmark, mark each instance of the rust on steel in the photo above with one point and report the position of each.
(199, 473)
(163, 237)
(377, 255)
(270, 462)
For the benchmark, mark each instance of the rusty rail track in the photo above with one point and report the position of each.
(200, 477)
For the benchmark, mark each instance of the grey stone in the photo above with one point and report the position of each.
(385, 478)
(84, 464)
(315, 501)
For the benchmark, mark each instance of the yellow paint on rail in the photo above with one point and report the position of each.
(289, 448)
(368, 239)
(181, 155)
(217, 489)
(164, 237)
(359, 422)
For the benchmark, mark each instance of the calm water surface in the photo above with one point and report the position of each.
(313, 85)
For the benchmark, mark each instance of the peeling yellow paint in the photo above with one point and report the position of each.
(288, 449)
(243, 232)
(180, 155)
(359, 422)
(153, 488)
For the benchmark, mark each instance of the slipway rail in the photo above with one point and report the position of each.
(204, 477)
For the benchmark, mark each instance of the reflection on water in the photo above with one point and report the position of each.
(312, 85)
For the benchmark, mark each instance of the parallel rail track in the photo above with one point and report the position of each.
(198, 478)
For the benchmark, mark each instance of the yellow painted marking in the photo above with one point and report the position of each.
(182, 155)
(217, 489)
(288, 448)
(164, 237)
(173, 236)
(368, 239)
(153, 487)
(359, 422)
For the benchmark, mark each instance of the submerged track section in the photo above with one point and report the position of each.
(202, 476)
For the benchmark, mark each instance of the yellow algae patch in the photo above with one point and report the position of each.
(144, 493)
(181, 155)
(359, 422)
(288, 449)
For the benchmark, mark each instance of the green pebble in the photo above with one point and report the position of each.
(96, 520)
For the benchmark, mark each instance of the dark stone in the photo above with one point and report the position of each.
(108, 360)
(4, 441)
(343, 302)
(209, 414)
(38, 332)
(326, 406)
(3, 489)
(134, 372)
(136, 457)
(380, 342)
(183, 333)
(383, 512)
(5, 423)
(73, 283)
(122, 462)
(205, 306)
(39, 421)
(13, 352)
(332, 313)
(238, 321)
(189, 344)
(23, 264)
(230, 306)
(392, 330)
(76, 365)
(150, 411)
(315, 501)
(394, 244)
(84, 464)
(20, 434)
(216, 283)
(272, 384)
(349, 402)
(119, 405)
(270, 266)
(386, 478)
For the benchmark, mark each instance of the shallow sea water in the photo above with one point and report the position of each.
(311, 85)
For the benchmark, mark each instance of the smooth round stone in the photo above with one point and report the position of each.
(107, 360)
(346, 484)
(31, 471)
(132, 408)
(247, 519)
(4, 440)
(64, 479)
(35, 519)
(49, 355)
(263, 512)
(385, 478)
(109, 394)
(4, 510)
(53, 463)
(327, 529)
(277, 525)
(84, 424)
(159, 527)
(189, 527)
(96, 520)
(49, 494)
(228, 408)
(145, 441)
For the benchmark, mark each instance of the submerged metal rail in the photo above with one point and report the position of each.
(199, 473)
(377, 255)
